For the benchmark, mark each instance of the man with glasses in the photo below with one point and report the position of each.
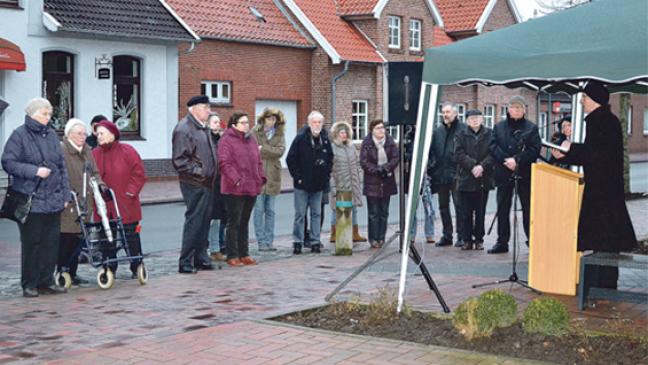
(194, 158)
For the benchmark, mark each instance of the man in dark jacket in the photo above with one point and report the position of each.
(603, 223)
(474, 180)
(309, 160)
(194, 158)
(442, 171)
(515, 145)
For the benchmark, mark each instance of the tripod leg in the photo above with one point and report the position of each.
(428, 278)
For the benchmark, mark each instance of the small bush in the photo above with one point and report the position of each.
(382, 307)
(547, 316)
(478, 317)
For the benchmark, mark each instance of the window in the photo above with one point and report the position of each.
(489, 115)
(359, 119)
(127, 94)
(629, 116)
(219, 92)
(394, 23)
(503, 111)
(543, 127)
(645, 123)
(9, 3)
(58, 86)
(392, 131)
(439, 117)
(461, 112)
(415, 35)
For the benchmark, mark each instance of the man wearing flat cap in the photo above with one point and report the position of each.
(474, 177)
(194, 158)
(603, 223)
(515, 145)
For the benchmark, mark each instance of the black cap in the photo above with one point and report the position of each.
(472, 112)
(200, 99)
(597, 92)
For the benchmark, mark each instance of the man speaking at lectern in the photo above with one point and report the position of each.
(604, 223)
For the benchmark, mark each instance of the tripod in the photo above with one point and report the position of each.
(513, 278)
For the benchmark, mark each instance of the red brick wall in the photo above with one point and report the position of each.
(637, 141)
(256, 72)
(501, 17)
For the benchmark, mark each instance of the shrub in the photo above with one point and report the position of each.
(478, 317)
(382, 307)
(547, 316)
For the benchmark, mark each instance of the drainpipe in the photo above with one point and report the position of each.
(333, 88)
(191, 49)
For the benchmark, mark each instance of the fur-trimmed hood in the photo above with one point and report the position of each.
(335, 130)
(267, 112)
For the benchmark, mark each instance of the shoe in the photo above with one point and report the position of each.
(205, 267)
(375, 244)
(467, 246)
(217, 256)
(133, 275)
(235, 262)
(499, 248)
(443, 242)
(187, 270)
(247, 260)
(264, 248)
(356, 234)
(479, 245)
(316, 248)
(459, 243)
(52, 289)
(297, 248)
(332, 239)
(307, 243)
(430, 241)
(30, 293)
(78, 281)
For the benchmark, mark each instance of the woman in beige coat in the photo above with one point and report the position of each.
(78, 158)
(269, 133)
(345, 175)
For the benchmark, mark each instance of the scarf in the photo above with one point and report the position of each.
(380, 146)
(269, 132)
(79, 149)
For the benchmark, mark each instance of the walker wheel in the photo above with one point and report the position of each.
(105, 278)
(63, 279)
(142, 274)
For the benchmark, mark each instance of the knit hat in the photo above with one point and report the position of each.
(473, 112)
(597, 92)
(200, 99)
(517, 99)
(111, 127)
(71, 124)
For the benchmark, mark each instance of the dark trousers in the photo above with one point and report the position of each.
(134, 244)
(221, 236)
(473, 207)
(378, 213)
(195, 233)
(239, 210)
(504, 199)
(444, 191)
(69, 249)
(39, 238)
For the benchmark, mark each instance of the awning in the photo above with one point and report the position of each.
(11, 57)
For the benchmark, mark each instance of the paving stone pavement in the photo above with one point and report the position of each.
(207, 317)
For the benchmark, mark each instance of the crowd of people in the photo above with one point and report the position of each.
(230, 172)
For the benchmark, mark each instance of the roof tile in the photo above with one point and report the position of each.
(233, 20)
(347, 40)
(133, 18)
(461, 15)
(440, 37)
(355, 7)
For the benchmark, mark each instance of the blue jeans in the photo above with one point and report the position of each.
(429, 217)
(264, 219)
(304, 200)
(354, 217)
(215, 238)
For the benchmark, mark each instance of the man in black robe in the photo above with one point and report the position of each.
(604, 223)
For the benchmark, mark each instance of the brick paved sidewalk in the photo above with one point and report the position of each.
(264, 342)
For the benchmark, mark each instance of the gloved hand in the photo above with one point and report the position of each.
(105, 192)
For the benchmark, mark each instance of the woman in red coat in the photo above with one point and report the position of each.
(121, 168)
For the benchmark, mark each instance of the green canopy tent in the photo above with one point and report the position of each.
(605, 40)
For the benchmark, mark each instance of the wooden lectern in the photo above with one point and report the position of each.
(555, 205)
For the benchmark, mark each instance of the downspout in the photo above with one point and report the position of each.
(191, 49)
(334, 88)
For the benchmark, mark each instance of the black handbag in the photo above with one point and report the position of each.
(16, 205)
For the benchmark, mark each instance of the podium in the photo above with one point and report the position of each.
(555, 205)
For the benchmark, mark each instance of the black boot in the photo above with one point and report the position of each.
(316, 248)
(297, 248)
(499, 248)
(468, 245)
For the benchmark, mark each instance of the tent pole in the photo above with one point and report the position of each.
(578, 122)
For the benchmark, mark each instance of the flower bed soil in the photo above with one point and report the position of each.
(576, 348)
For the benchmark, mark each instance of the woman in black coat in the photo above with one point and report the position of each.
(604, 223)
